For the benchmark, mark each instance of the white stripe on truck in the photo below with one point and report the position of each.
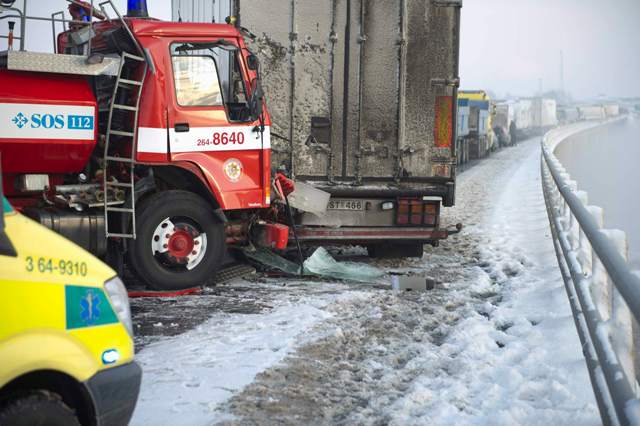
(202, 139)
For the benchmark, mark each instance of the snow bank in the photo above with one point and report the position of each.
(518, 361)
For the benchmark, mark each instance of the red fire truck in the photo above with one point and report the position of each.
(148, 142)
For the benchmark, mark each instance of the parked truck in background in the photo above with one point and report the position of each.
(504, 115)
(543, 115)
(611, 110)
(534, 116)
(462, 145)
(591, 112)
(480, 139)
(149, 142)
(568, 114)
(523, 118)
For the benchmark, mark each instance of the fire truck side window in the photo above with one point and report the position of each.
(196, 81)
(216, 67)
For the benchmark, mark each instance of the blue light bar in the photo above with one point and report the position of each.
(137, 9)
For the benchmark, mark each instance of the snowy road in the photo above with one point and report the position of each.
(494, 343)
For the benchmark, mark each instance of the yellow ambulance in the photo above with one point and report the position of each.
(66, 346)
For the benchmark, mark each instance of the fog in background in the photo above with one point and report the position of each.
(508, 45)
(603, 162)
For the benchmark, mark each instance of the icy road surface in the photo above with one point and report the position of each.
(494, 343)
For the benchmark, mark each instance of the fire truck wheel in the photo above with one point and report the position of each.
(179, 241)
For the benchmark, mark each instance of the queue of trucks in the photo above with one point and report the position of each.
(485, 124)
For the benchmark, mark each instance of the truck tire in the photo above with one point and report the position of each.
(37, 408)
(179, 241)
(394, 251)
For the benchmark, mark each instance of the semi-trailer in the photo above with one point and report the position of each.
(543, 115)
(503, 117)
(480, 138)
(462, 146)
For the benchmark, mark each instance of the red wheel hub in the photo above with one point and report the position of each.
(180, 243)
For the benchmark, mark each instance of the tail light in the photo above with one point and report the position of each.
(416, 212)
(444, 121)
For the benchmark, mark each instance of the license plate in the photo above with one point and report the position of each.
(346, 205)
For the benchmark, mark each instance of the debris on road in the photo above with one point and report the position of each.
(271, 260)
(412, 282)
(321, 264)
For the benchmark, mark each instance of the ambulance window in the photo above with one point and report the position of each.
(196, 81)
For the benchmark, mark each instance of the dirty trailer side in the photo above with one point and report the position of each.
(362, 96)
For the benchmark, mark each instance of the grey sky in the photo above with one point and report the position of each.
(507, 45)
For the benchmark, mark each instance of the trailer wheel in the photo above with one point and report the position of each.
(394, 251)
(179, 243)
(37, 408)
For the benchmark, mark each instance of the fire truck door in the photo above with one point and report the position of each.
(205, 124)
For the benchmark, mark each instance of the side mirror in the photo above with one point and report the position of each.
(252, 62)
(6, 247)
(255, 101)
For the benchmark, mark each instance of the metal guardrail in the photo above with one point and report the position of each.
(603, 292)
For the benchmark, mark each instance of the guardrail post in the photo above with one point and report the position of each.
(600, 284)
(584, 254)
(621, 324)
(566, 211)
(574, 227)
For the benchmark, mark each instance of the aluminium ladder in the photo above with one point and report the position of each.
(115, 136)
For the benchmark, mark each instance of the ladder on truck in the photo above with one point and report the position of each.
(125, 98)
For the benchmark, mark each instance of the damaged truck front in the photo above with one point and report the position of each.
(363, 97)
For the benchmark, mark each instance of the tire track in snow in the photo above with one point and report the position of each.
(469, 352)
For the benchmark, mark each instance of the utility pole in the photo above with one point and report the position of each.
(562, 73)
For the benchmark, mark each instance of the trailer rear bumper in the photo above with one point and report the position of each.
(437, 187)
(357, 235)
